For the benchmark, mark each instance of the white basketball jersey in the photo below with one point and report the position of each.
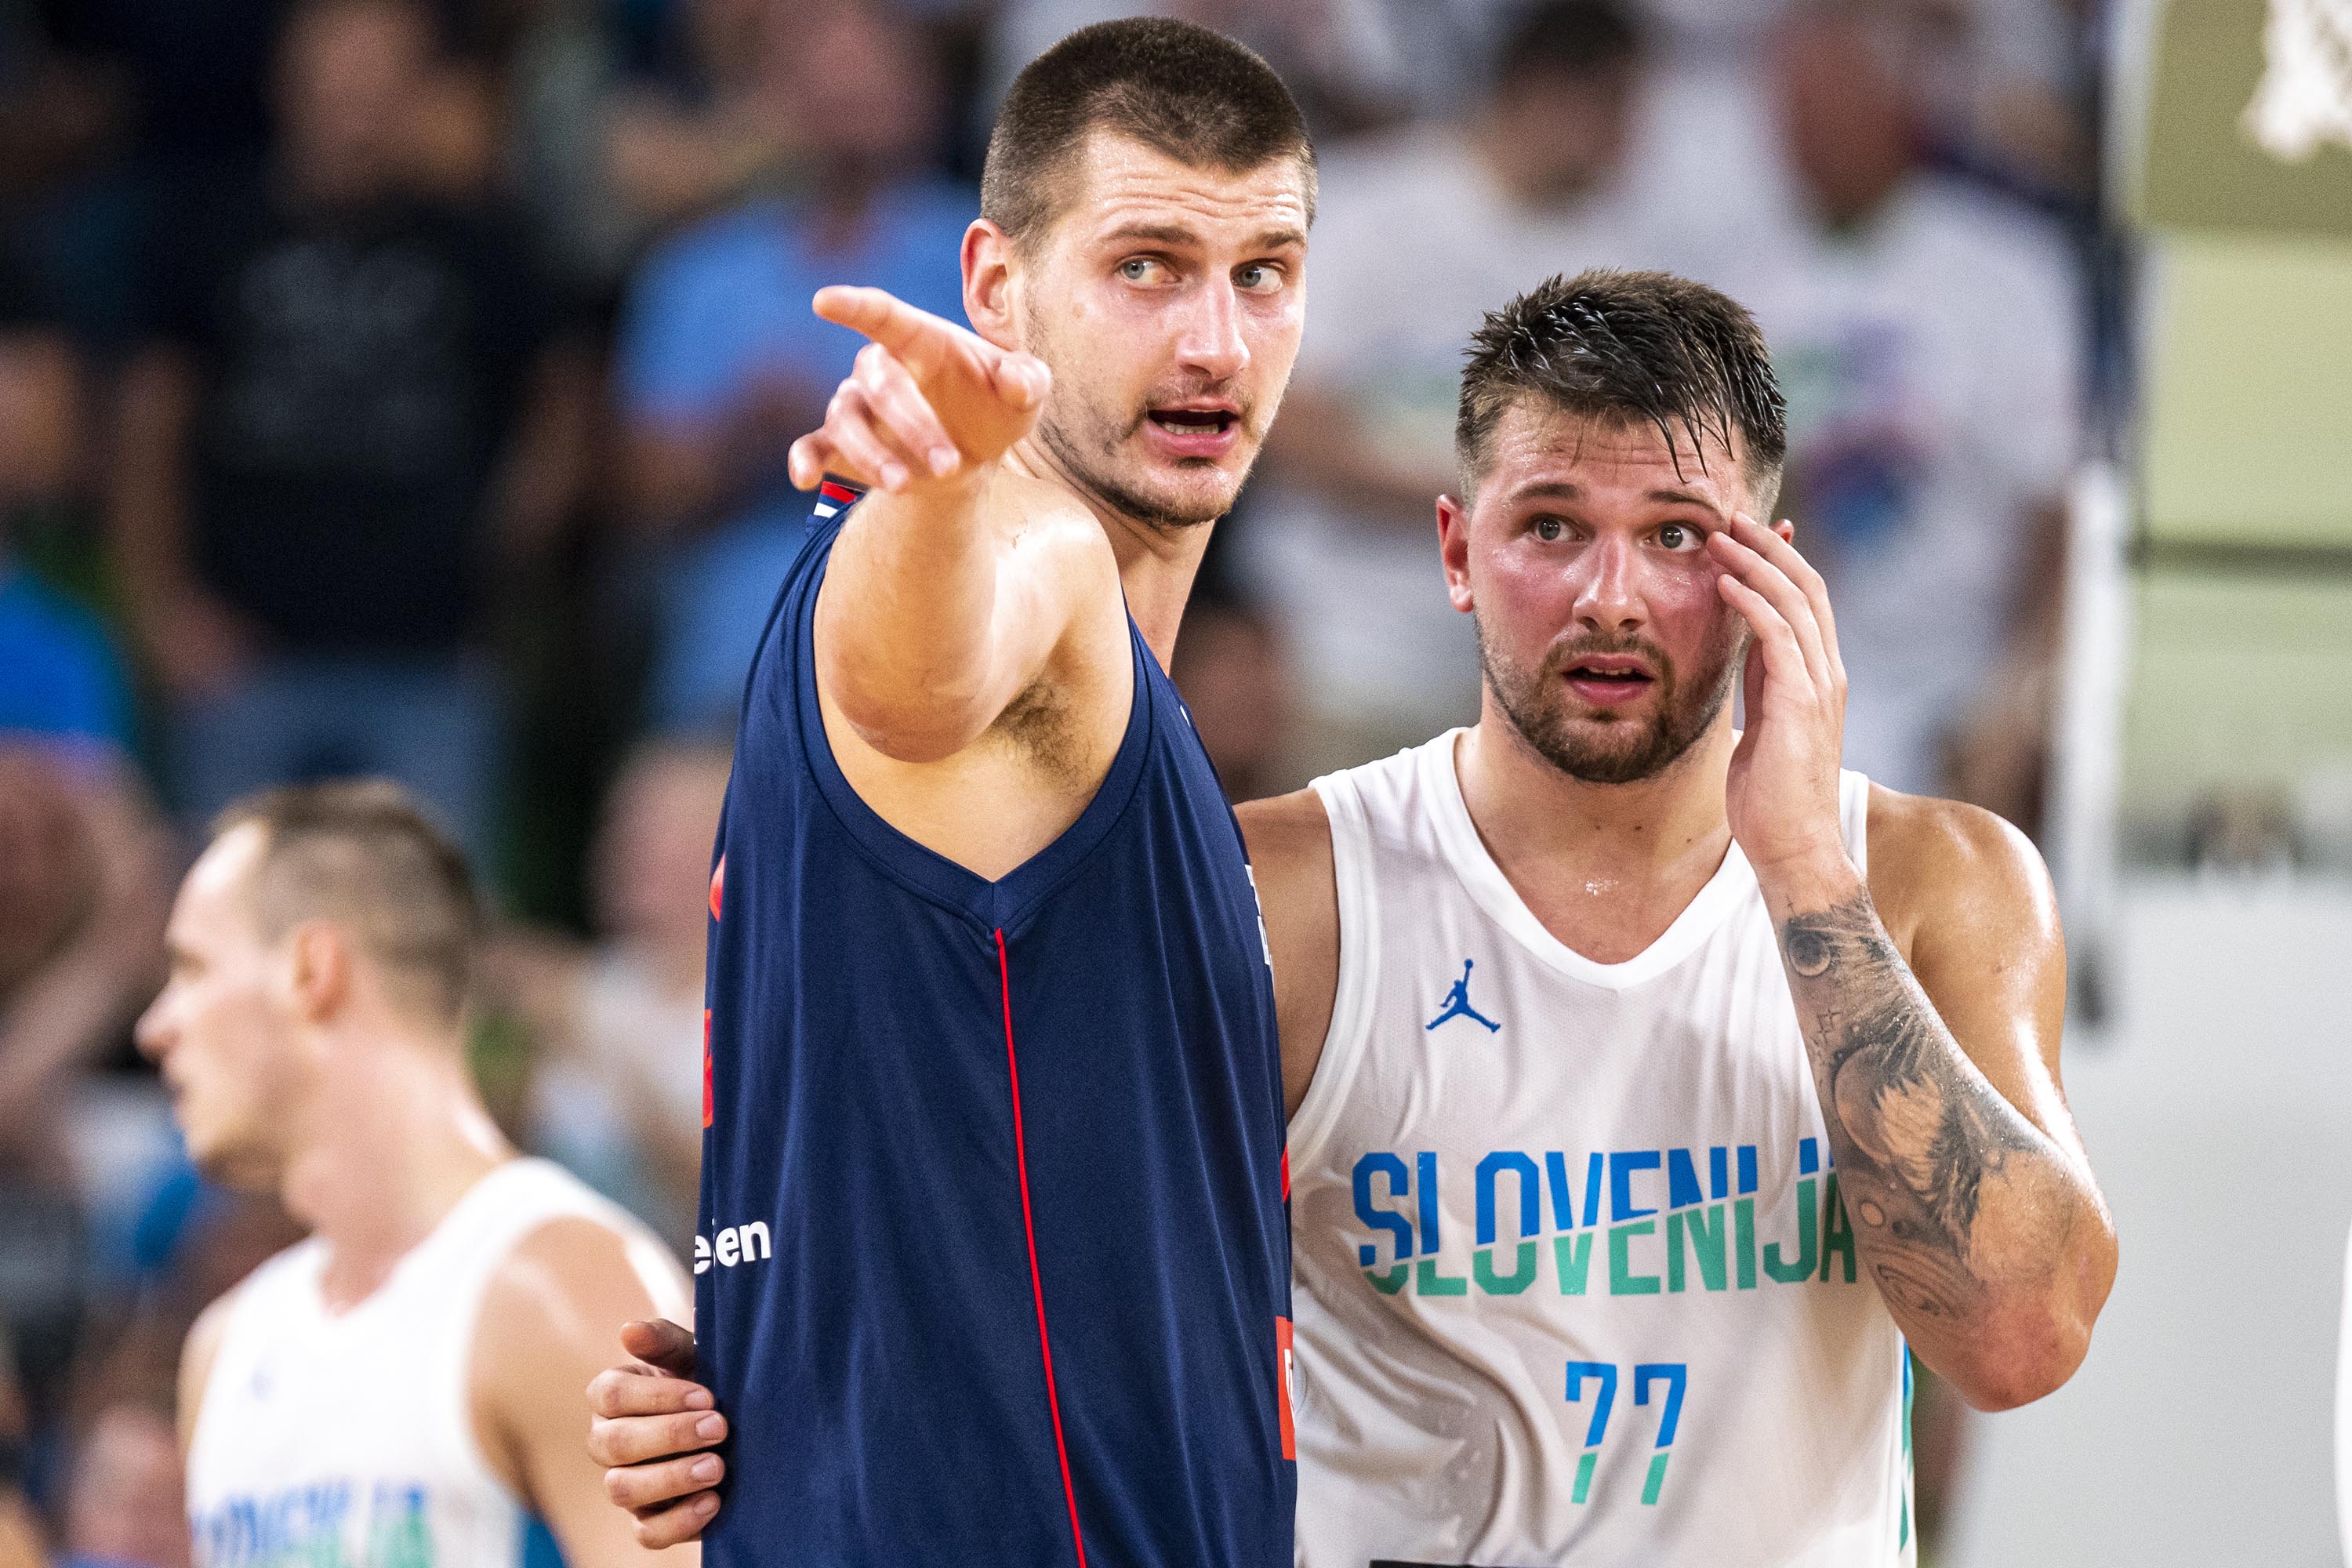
(347, 1439)
(1573, 1280)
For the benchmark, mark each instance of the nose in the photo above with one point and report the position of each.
(1212, 345)
(1609, 599)
(152, 1035)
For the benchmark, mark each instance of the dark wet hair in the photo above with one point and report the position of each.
(1194, 94)
(362, 853)
(1638, 348)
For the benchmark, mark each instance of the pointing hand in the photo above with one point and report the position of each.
(928, 401)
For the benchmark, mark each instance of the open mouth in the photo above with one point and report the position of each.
(1603, 680)
(1194, 421)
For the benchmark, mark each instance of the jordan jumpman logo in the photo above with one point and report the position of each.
(1457, 1003)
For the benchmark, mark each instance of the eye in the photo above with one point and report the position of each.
(1549, 528)
(1679, 536)
(1258, 276)
(1137, 268)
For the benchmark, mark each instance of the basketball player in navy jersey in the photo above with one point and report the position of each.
(994, 1258)
(1685, 935)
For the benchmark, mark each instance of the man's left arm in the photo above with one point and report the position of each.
(1973, 1201)
(547, 1328)
(1973, 1204)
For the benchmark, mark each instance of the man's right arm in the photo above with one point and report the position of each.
(957, 581)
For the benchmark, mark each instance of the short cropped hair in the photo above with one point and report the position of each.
(363, 853)
(1180, 89)
(1633, 348)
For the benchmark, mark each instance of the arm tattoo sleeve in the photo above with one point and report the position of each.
(1917, 1132)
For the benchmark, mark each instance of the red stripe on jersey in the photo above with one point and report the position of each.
(841, 493)
(1282, 1350)
(1036, 1280)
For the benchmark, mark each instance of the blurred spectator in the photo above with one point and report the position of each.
(125, 1503)
(81, 899)
(1352, 64)
(722, 121)
(617, 1092)
(1419, 234)
(59, 676)
(346, 413)
(721, 363)
(1927, 338)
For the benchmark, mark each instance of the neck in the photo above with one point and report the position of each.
(1156, 563)
(1639, 841)
(397, 1137)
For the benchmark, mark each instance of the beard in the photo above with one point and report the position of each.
(1088, 449)
(1611, 749)
(1093, 461)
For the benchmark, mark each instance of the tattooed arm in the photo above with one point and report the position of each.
(1973, 1203)
(1931, 1000)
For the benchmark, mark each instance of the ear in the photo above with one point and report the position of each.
(318, 973)
(1454, 550)
(992, 268)
(1786, 530)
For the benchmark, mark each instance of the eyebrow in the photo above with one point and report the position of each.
(1178, 234)
(1688, 498)
(1159, 233)
(1564, 490)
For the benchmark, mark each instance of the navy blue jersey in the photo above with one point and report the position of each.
(994, 1265)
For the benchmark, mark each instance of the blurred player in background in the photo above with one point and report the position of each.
(403, 1388)
(995, 1262)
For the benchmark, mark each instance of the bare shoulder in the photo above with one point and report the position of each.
(1285, 832)
(573, 1267)
(1943, 868)
(198, 1353)
(1289, 839)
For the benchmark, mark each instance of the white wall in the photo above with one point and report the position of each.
(2218, 1109)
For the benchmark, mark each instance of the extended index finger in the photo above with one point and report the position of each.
(921, 340)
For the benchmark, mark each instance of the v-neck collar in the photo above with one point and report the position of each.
(1732, 883)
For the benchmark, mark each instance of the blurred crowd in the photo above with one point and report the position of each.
(403, 386)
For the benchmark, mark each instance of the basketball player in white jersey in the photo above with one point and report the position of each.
(1651, 1083)
(1654, 1083)
(401, 1390)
